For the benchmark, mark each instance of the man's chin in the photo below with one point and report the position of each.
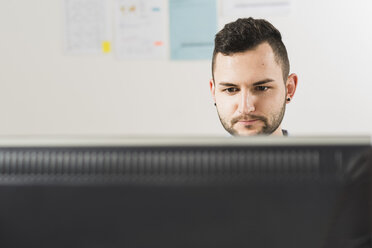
(247, 132)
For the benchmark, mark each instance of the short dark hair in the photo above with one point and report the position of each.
(247, 33)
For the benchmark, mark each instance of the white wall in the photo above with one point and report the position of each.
(44, 91)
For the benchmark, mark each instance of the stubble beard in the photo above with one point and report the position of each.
(267, 128)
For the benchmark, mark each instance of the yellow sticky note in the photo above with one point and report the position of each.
(106, 46)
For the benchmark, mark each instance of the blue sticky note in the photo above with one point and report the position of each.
(193, 25)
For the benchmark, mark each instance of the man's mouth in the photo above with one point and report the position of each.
(248, 122)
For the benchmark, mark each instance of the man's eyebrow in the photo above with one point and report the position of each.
(265, 81)
(227, 84)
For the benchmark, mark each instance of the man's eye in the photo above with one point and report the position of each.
(231, 90)
(262, 88)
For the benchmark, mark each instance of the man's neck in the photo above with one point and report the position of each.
(278, 132)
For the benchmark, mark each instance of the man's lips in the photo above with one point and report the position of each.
(248, 122)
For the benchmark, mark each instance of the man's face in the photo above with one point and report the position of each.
(249, 92)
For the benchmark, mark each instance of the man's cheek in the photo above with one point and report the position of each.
(227, 112)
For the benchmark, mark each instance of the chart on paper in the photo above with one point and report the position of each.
(140, 29)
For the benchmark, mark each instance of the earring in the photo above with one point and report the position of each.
(215, 104)
(288, 99)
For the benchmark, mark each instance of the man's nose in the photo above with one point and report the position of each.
(246, 105)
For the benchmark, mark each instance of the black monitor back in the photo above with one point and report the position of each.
(219, 194)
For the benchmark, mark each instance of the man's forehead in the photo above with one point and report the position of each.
(261, 53)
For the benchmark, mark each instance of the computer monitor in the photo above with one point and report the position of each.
(185, 192)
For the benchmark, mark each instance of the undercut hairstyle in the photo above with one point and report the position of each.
(246, 34)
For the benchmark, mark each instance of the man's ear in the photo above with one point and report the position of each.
(212, 89)
(291, 86)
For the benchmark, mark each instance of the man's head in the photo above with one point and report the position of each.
(250, 77)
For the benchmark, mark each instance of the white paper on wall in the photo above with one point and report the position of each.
(140, 29)
(86, 26)
(246, 8)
